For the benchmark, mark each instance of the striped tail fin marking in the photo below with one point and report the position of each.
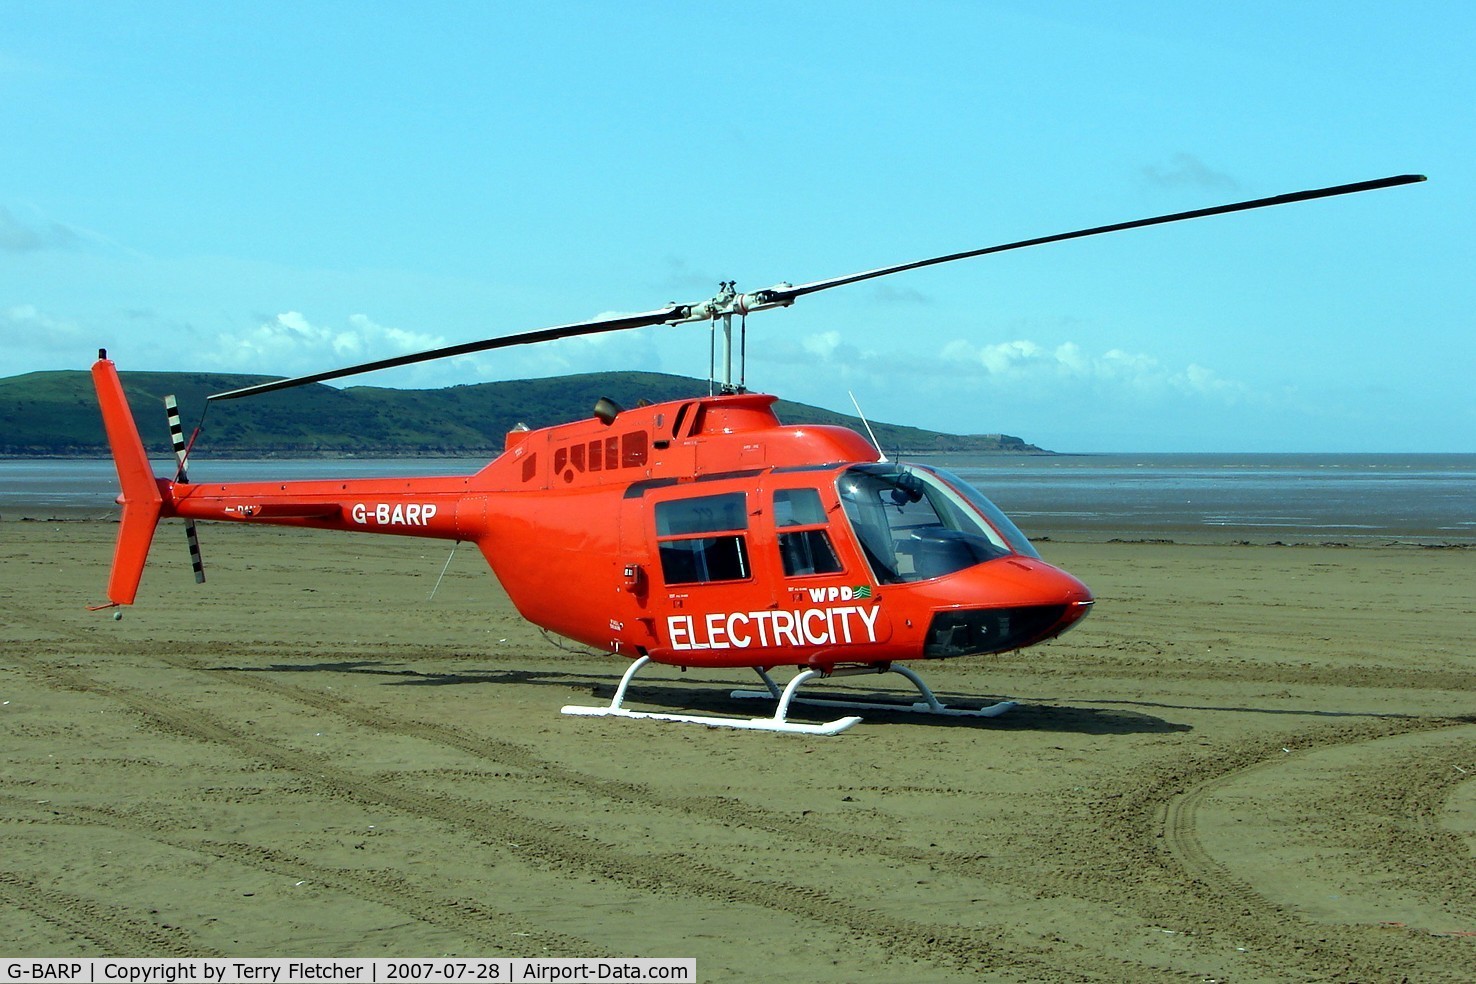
(181, 452)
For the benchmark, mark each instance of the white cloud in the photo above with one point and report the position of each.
(1002, 358)
(290, 343)
(26, 328)
(1197, 379)
(823, 345)
(625, 349)
(1028, 363)
(826, 353)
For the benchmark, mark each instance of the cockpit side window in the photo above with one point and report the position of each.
(912, 526)
(804, 542)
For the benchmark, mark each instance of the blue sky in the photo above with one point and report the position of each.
(281, 188)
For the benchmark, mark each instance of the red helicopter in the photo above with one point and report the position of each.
(698, 532)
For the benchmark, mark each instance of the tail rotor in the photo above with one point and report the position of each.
(181, 453)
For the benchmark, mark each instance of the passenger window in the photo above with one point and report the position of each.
(633, 449)
(804, 551)
(701, 540)
(704, 514)
(798, 507)
(702, 560)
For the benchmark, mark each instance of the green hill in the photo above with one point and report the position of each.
(46, 414)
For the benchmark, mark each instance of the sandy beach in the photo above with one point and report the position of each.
(1251, 763)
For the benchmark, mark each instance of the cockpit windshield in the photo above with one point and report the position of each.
(914, 523)
(992, 513)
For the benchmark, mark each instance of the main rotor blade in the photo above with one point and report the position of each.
(784, 294)
(728, 302)
(675, 312)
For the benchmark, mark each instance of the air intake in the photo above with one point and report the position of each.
(972, 632)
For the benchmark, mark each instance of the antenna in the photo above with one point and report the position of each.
(874, 442)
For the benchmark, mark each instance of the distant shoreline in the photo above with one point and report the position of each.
(1220, 537)
(470, 455)
(1332, 500)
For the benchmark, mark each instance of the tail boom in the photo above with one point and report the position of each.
(449, 508)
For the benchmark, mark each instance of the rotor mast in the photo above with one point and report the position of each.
(721, 307)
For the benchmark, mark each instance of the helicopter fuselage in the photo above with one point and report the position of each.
(701, 532)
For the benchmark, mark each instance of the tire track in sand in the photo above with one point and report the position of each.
(1236, 909)
(98, 924)
(468, 917)
(1287, 940)
(552, 847)
(1424, 781)
(1152, 834)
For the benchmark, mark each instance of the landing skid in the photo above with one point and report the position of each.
(928, 705)
(779, 721)
(775, 723)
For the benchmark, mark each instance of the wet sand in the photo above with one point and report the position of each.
(1251, 763)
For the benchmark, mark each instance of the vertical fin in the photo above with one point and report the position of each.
(141, 499)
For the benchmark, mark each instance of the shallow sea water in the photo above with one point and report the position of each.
(1419, 498)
